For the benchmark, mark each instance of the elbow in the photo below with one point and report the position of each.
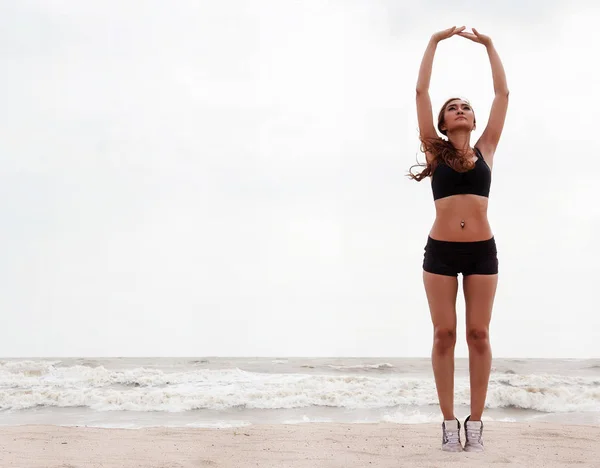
(502, 92)
(422, 91)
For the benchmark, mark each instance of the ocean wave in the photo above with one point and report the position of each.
(29, 384)
(363, 367)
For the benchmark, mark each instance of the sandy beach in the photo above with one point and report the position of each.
(295, 446)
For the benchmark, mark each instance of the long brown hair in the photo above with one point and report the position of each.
(442, 151)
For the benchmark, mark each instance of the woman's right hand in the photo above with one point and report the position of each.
(446, 33)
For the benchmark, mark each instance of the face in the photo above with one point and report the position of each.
(458, 115)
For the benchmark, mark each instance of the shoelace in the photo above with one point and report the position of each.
(474, 434)
(452, 437)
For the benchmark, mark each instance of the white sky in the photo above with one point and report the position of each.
(200, 178)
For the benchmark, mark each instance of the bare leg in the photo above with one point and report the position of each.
(441, 295)
(479, 291)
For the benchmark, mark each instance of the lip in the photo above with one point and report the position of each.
(461, 117)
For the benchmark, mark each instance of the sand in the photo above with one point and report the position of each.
(321, 445)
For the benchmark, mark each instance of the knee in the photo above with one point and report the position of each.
(478, 339)
(444, 338)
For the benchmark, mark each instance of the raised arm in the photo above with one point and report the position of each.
(490, 137)
(424, 111)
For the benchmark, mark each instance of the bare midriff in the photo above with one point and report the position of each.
(461, 218)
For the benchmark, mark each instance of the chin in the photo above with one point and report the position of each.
(464, 127)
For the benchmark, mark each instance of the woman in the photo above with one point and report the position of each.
(461, 240)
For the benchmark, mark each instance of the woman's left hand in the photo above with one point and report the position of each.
(479, 38)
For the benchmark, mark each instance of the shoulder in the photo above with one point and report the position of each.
(431, 146)
(486, 152)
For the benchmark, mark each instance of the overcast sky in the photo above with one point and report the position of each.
(199, 178)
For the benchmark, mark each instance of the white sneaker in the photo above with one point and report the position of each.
(473, 435)
(451, 436)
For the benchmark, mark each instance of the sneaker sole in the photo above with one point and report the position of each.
(473, 449)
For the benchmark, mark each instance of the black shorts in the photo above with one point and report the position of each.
(469, 258)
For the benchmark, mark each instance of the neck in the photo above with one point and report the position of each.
(461, 141)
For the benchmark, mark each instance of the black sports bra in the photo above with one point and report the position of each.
(445, 181)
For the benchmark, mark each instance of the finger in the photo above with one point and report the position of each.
(475, 31)
(472, 38)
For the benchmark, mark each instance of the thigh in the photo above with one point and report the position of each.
(480, 291)
(441, 293)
